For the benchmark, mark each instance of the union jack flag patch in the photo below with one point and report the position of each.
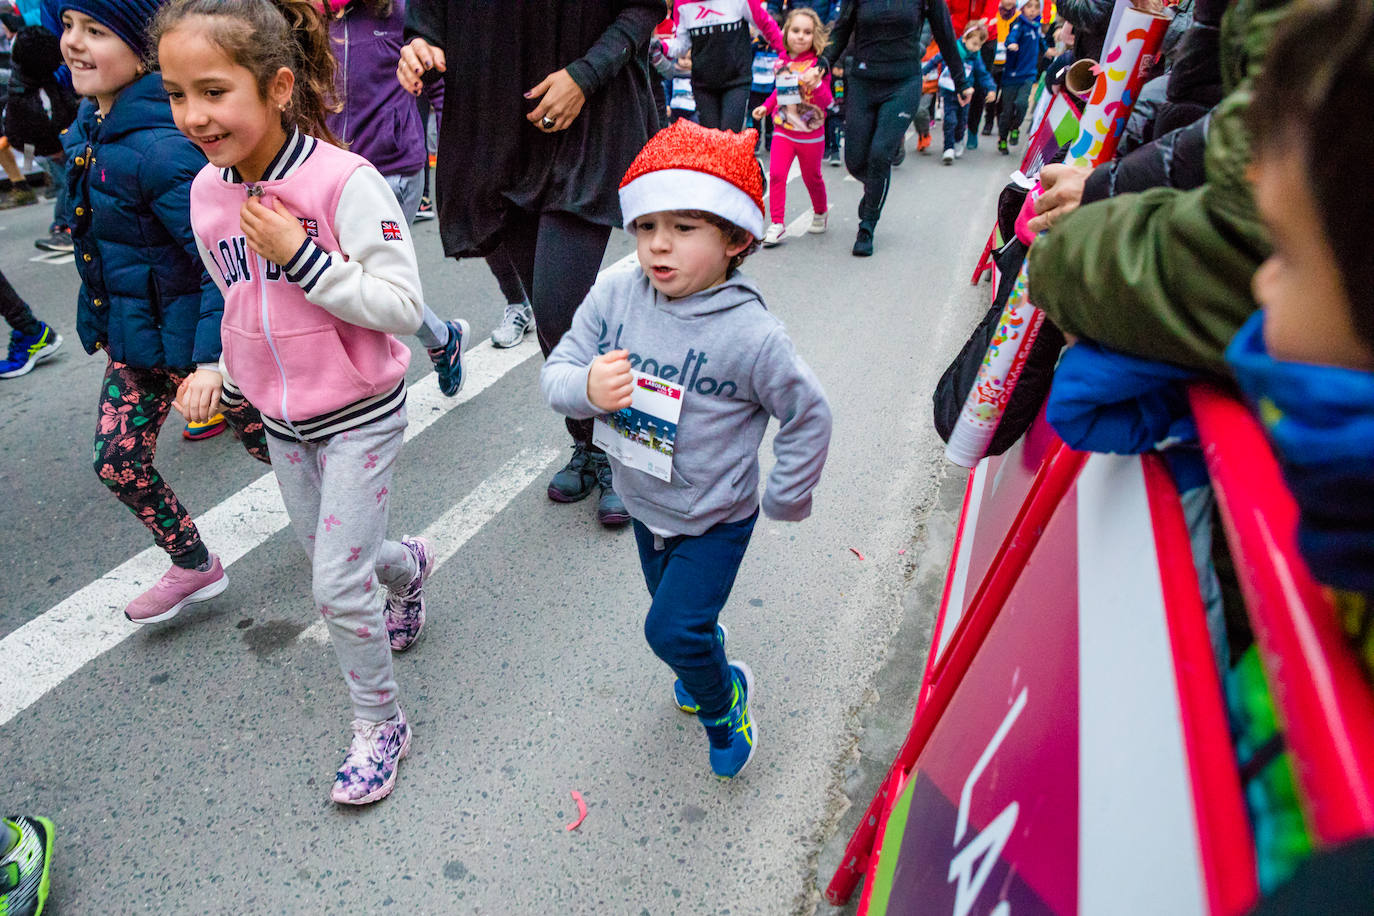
(311, 226)
(391, 230)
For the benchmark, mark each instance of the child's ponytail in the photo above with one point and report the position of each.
(263, 36)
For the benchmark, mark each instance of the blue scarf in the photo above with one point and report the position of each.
(1320, 420)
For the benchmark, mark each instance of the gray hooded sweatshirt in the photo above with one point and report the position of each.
(737, 367)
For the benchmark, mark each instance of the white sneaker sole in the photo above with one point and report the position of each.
(462, 369)
(204, 593)
(385, 788)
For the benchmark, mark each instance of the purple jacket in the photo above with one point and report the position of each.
(379, 120)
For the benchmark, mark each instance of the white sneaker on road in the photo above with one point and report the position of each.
(774, 234)
(515, 324)
(818, 221)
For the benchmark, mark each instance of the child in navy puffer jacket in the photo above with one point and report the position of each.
(1025, 47)
(145, 297)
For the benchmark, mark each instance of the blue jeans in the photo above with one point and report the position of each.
(956, 117)
(689, 579)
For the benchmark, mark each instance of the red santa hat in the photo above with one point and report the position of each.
(690, 167)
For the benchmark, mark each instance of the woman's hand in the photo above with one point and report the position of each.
(760, 113)
(275, 234)
(561, 101)
(197, 396)
(1062, 192)
(610, 383)
(417, 58)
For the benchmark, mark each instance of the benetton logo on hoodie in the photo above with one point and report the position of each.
(688, 374)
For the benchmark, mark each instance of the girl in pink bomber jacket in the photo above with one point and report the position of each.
(798, 106)
(313, 255)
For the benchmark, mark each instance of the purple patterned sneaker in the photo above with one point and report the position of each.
(177, 588)
(368, 773)
(405, 608)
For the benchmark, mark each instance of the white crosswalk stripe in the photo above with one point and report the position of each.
(54, 645)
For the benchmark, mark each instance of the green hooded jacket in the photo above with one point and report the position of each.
(1165, 274)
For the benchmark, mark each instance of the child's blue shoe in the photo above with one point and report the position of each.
(733, 736)
(681, 696)
(448, 359)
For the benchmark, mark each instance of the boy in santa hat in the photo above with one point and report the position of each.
(693, 199)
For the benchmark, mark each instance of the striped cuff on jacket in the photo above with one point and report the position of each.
(306, 265)
(229, 393)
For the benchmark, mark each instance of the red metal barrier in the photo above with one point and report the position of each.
(1320, 695)
(1053, 479)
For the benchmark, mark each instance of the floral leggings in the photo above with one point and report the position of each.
(134, 403)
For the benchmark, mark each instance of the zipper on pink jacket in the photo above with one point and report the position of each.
(255, 191)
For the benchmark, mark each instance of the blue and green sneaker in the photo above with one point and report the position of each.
(734, 736)
(28, 350)
(24, 867)
(680, 695)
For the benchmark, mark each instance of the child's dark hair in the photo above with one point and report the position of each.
(734, 235)
(1307, 102)
(263, 36)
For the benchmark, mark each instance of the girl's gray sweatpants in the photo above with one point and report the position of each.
(337, 493)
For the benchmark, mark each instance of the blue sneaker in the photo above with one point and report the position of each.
(972, 140)
(576, 479)
(24, 869)
(28, 350)
(448, 359)
(734, 737)
(680, 695)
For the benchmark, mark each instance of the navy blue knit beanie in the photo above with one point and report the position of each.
(128, 19)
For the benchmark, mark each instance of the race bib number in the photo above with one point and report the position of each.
(643, 436)
(789, 88)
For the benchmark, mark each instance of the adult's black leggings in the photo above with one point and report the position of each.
(557, 257)
(16, 311)
(723, 109)
(499, 263)
(876, 118)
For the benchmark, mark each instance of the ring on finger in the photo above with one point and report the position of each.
(548, 123)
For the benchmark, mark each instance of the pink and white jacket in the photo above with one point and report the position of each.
(309, 342)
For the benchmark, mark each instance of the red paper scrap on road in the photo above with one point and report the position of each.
(581, 810)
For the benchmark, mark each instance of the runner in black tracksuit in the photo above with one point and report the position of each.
(717, 31)
(884, 88)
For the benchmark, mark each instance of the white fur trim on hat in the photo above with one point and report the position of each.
(688, 189)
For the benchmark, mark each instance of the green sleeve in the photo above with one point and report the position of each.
(1166, 274)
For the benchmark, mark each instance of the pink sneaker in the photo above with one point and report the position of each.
(368, 773)
(176, 589)
(405, 609)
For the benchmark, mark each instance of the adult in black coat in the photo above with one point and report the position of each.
(546, 103)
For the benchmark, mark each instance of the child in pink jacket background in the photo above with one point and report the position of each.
(798, 107)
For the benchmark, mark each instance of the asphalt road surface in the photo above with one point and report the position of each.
(187, 765)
